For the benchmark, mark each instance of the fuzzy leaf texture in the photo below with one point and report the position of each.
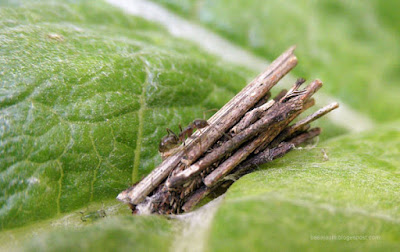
(88, 90)
(81, 116)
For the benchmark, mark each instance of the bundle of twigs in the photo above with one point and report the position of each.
(248, 131)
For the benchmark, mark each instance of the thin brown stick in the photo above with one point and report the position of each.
(286, 116)
(245, 167)
(271, 153)
(224, 119)
(228, 146)
(309, 119)
(196, 197)
(231, 112)
(251, 116)
(265, 137)
(278, 111)
(308, 104)
(246, 132)
(298, 126)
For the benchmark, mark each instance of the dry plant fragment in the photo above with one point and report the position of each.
(248, 131)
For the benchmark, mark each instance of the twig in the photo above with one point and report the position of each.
(231, 112)
(247, 131)
(299, 126)
(251, 116)
(272, 153)
(242, 169)
(308, 104)
(220, 123)
(285, 115)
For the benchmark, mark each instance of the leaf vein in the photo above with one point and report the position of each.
(97, 167)
(139, 139)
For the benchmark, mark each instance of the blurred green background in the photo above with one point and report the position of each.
(354, 46)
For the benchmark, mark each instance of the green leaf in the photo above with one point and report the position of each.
(296, 200)
(87, 92)
(353, 46)
(139, 233)
(86, 95)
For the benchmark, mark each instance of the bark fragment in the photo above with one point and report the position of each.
(248, 131)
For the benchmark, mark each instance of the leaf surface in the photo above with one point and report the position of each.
(353, 46)
(86, 95)
(346, 189)
(87, 92)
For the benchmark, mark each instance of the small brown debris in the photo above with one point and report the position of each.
(248, 131)
(56, 37)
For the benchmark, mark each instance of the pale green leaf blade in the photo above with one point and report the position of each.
(139, 233)
(87, 93)
(353, 46)
(351, 193)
